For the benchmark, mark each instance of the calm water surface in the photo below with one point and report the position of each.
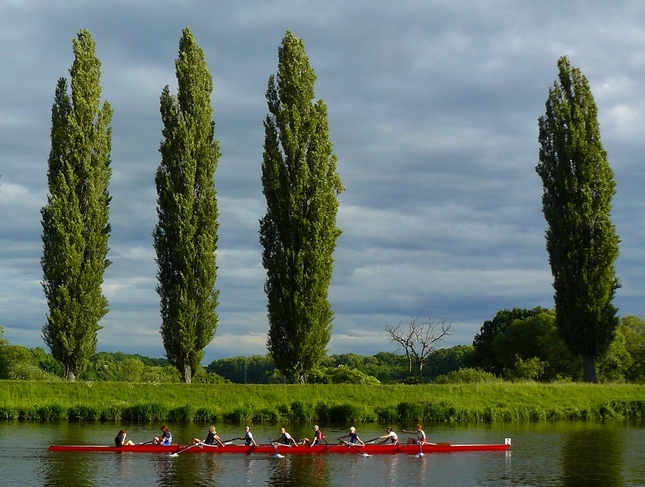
(545, 454)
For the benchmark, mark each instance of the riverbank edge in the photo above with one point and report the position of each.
(253, 403)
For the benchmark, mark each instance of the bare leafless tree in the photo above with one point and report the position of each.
(418, 340)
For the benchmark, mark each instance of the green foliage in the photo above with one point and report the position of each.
(346, 375)
(146, 412)
(529, 369)
(207, 415)
(185, 237)
(446, 360)
(10, 356)
(485, 356)
(386, 367)
(75, 218)
(319, 375)
(24, 371)
(523, 344)
(255, 369)
(46, 362)
(632, 328)
(202, 376)
(615, 361)
(161, 375)
(302, 411)
(132, 370)
(531, 348)
(490, 401)
(466, 376)
(20, 363)
(298, 234)
(581, 239)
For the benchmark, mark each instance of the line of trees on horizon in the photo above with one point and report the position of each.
(515, 345)
(299, 233)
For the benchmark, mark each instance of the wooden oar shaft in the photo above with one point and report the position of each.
(184, 449)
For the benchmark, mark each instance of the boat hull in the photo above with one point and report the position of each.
(369, 449)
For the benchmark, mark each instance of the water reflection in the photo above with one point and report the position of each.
(59, 471)
(592, 458)
(299, 470)
(562, 454)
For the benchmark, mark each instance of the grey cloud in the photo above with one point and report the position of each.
(433, 111)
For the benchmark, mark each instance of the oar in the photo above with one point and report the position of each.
(373, 439)
(355, 448)
(176, 454)
(228, 442)
(145, 442)
(275, 444)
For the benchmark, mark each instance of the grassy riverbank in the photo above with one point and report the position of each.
(236, 403)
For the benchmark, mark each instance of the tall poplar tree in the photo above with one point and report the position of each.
(76, 218)
(185, 237)
(299, 232)
(581, 239)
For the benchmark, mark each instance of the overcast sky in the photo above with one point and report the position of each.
(433, 109)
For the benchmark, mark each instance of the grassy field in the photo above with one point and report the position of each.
(236, 403)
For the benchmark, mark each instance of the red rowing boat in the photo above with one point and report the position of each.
(369, 449)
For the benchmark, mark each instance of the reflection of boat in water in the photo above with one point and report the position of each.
(369, 449)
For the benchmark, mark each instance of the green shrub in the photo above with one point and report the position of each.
(265, 415)
(346, 375)
(387, 414)
(53, 412)
(319, 376)
(239, 415)
(24, 371)
(466, 376)
(343, 413)
(7, 413)
(301, 411)
(206, 415)
(146, 413)
(411, 412)
(84, 413)
(182, 414)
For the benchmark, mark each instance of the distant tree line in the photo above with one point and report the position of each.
(515, 345)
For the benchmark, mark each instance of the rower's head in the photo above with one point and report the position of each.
(388, 429)
(352, 429)
(248, 428)
(316, 428)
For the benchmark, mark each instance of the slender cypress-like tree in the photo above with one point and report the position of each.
(76, 218)
(581, 239)
(299, 232)
(185, 237)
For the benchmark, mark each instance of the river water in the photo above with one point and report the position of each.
(568, 454)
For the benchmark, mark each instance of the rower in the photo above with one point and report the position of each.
(353, 438)
(284, 439)
(248, 437)
(390, 437)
